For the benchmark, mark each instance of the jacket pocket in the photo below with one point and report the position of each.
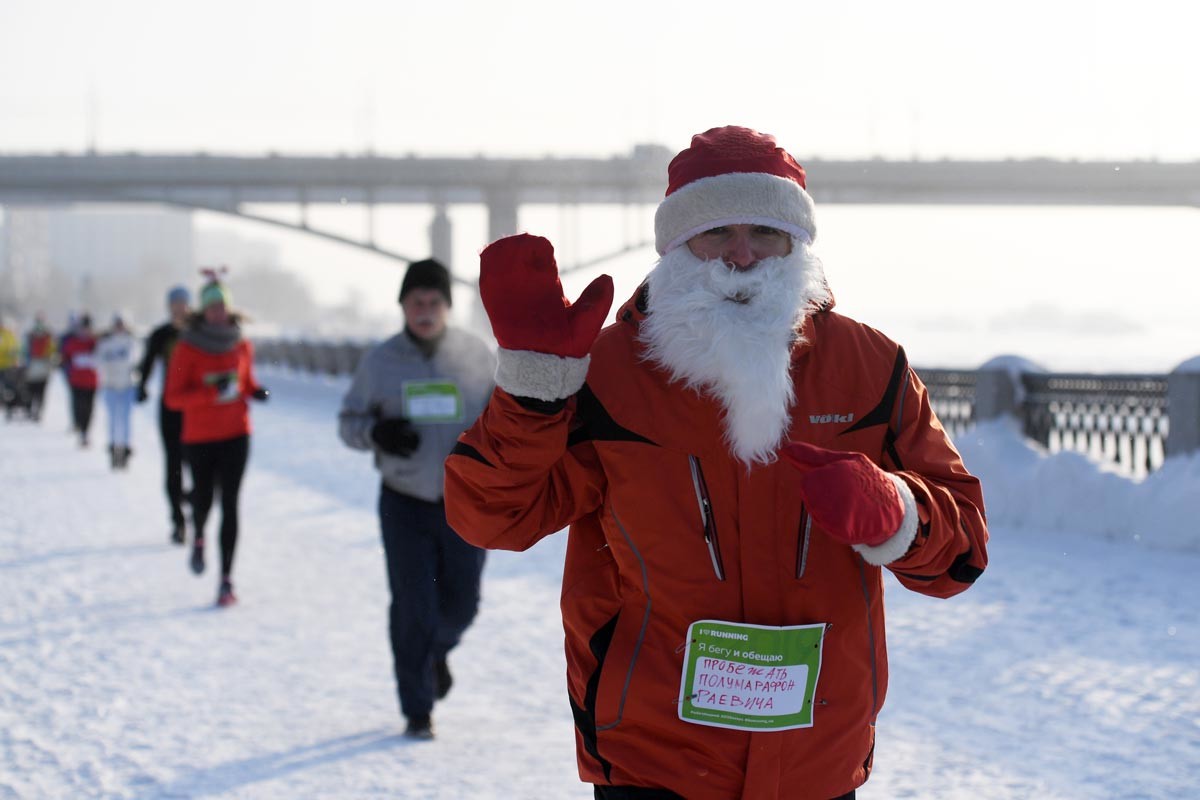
(628, 635)
(616, 672)
(802, 537)
(707, 517)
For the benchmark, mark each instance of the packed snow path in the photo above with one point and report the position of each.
(1071, 671)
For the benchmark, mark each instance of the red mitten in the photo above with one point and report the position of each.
(851, 498)
(518, 281)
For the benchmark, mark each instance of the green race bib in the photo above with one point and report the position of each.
(750, 677)
(433, 401)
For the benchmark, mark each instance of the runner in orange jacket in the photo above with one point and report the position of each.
(210, 377)
(737, 463)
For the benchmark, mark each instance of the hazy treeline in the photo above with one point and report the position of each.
(274, 300)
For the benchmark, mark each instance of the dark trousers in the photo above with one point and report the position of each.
(37, 396)
(638, 793)
(434, 580)
(218, 465)
(170, 425)
(82, 402)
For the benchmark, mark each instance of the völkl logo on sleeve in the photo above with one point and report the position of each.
(821, 419)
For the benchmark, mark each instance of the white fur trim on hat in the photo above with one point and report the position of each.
(543, 376)
(736, 198)
(898, 545)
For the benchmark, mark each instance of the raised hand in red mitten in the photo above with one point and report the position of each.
(519, 285)
(847, 495)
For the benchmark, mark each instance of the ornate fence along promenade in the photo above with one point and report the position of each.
(1121, 418)
(1132, 421)
(952, 392)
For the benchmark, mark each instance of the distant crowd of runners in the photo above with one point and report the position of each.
(207, 380)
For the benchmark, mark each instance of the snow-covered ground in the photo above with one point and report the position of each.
(1072, 670)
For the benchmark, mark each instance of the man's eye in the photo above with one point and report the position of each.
(716, 231)
(765, 230)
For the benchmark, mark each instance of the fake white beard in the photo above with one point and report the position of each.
(731, 334)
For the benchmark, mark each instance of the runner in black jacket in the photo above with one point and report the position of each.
(159, 345)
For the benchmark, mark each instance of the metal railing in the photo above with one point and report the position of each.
(327, 358)
(1118, 418)
(952, 395)
(1122, 419)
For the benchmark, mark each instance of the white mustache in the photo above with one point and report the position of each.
(741, 286)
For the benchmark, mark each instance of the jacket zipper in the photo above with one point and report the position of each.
(802, 542)
(707, 517)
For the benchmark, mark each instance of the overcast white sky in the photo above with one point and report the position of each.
(929, 78)
(1095, 79)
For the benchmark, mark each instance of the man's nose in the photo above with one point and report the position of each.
(739, 254)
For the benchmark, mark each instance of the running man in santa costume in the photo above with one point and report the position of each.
(737, 464)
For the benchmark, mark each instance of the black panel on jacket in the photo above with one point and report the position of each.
(585, 715)
(882, 413)
(593, 423)
(462, 449)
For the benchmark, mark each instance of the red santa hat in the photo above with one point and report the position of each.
(732, 176)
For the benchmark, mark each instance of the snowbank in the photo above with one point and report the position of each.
(1025, 486)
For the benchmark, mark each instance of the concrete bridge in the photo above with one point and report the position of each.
(227, 184)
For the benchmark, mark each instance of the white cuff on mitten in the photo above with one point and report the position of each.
(902, 539)
(543, 376)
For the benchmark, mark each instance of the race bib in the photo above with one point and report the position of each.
(432, 401)
(750, 677)
(232, 390)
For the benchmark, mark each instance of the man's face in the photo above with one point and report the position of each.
(730, 330)
(740, 246)
(179, 309)
(425, 312)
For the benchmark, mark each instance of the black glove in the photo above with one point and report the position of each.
(221, 384)
(261, 394)
(141, 394)
(396, 435)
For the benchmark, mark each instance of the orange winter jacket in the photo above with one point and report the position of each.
(190, 388)
(625, 464)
